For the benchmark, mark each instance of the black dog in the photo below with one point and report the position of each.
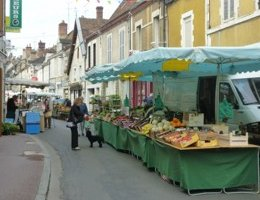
(94, 138)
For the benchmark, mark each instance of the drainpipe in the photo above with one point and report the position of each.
(49, 62)
(164, 24)
(84, 81)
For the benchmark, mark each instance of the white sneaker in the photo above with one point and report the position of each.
(76, 148)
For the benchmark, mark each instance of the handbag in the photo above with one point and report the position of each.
(70, 125)
(48, 114)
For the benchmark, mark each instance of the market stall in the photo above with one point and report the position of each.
(202, 145)
(220, 167)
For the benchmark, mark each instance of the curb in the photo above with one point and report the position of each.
(46, 173)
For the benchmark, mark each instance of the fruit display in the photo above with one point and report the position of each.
(156, 126)
(183, 138)
(177, 123)
(123, 121)
(146, 129)
(160, 126)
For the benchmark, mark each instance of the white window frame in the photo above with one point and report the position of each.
(256, 5)
(122, 43)
(109, 48)
(156, 28)
(229, 16)
(184, 16)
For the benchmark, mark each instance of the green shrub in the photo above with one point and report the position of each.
(9, 129)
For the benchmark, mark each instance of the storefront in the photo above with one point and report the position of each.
(75, 90)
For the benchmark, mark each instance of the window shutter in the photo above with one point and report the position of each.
(232, 8)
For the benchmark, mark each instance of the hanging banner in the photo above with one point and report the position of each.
(16, 13)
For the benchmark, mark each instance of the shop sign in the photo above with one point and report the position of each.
(176, 65)
(34, 78)
(8, 28)
(16, 13)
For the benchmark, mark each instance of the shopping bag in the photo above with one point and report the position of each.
(70, 124)
(86, 124)
(48, 114)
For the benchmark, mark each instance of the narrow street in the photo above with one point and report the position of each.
(106, 174)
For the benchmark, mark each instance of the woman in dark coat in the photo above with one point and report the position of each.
(75, 116)
(11, 107)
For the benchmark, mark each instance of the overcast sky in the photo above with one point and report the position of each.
(40, 19)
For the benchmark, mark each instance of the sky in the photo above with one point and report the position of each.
(40, 20)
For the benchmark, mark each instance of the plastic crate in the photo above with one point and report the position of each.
(32, 128)
(32, 117)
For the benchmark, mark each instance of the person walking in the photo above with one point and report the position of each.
(84, 110)
(11, 107)
(47, 113)
(75, 117)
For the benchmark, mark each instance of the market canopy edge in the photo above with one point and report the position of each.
(200, 61)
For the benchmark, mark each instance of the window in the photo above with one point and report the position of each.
(187, 29)
(138, 38)
(228, 9)
(248, 90)
(80, 71)
(109, 49)
(78, 53)
(156, 33)
(122, 44)
(94, 54)
(74, 75)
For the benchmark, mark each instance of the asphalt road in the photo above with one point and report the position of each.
(106, 174)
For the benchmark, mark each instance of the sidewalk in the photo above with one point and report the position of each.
(24, 168)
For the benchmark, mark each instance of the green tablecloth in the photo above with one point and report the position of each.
(193, 169)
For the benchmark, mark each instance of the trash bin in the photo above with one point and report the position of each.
(32, 123)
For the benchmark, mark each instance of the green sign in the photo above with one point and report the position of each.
(16, 13)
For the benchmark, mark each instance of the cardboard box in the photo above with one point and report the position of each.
(238, 140)
(193, 119)
(207, 143)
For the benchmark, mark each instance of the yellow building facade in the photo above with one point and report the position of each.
(148, 29)
(186, 23)
(232, 22)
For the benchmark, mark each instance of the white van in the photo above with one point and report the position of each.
(234, 99)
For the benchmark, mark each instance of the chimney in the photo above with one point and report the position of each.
(41, 45)
(41, 49)
(99, 10)
(28, 51)
(63, 29)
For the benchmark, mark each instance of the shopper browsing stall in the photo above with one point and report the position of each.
(75, 117)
